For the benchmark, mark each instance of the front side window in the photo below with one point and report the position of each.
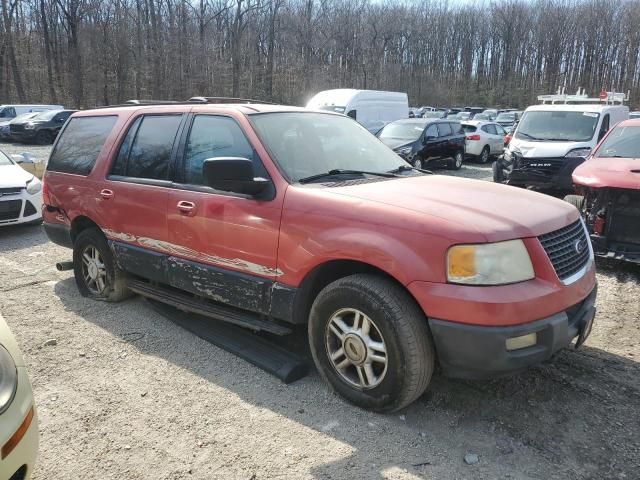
(311, 143)
(80, 143)
(557, 126)
(146, 150)
(622, 142)
(431, 131)
(604, 128)
(213, 137)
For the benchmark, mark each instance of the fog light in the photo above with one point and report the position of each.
(524, 341)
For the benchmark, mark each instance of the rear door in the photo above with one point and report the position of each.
(225, 243)
(133, 199)
(495, 141)
(446, 146)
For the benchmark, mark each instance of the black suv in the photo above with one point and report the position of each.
(426, 141)
(41, 129)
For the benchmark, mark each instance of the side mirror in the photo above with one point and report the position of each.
(233, 174)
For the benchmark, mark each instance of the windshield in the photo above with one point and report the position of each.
(557, 126)
(308, 143)
(4, 160)
(621, 142)
(332, 108)
(46, 116)
(506, 117)
(402, 131)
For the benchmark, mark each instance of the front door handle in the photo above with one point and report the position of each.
(186, 208)
(106, 193)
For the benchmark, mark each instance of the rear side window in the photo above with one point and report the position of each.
(445, 129)
(146, 150)
(491, 129)
(80, 144)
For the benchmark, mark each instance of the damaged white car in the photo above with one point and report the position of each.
(20, 194)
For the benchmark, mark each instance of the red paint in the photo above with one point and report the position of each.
(402, 227)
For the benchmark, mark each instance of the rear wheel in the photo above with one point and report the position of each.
(485, 154)
(97, 275)
(575, 200)
(458, 158)
(370, 342)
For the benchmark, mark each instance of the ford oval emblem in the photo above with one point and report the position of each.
(580, 245)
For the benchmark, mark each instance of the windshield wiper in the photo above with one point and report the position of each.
(406, 168)
(531, 137)
(341, 171)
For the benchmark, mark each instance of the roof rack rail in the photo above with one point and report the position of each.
(226, 100)
(607, 98)
(148, 102)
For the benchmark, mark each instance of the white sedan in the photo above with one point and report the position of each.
(20, 194)
(483, 140)
(18, 417)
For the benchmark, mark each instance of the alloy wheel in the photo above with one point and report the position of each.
(356, 348)
(94, 272)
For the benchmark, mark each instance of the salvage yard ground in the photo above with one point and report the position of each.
(126, 394)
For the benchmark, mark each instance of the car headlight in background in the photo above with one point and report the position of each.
(29, 126)
(489, 263)
(579, 152)
(8, 379)
(34, 186)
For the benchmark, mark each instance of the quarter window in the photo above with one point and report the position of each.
(146, 150)
(213, 137)
(80, 144)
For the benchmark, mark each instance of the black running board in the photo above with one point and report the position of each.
(274, 359)
(188, 303)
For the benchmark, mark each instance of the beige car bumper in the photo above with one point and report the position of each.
(19, 433)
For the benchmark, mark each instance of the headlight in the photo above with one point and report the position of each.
(404, 151)
(34, 186)
(489, 263)
(8, 379)
(29, 126)
(579, 152)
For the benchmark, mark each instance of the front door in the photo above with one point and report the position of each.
(430, 143)
(225, 244)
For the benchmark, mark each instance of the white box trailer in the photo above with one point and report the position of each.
(372, 109)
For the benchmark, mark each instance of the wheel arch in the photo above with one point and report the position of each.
(81, 223)
(328, 272)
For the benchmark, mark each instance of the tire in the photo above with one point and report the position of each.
(458, 159)
(43, 137)
(575, 200)
(113, 288)
(485, 155)
(395, 321)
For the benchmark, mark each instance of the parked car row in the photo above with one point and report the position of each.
(37, 124)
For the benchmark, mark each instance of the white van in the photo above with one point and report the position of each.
(8, 112)
(553, 138)
(370, 108)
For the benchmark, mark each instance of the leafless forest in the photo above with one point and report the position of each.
(84, 53)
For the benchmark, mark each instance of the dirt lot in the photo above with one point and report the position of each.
(127, 394)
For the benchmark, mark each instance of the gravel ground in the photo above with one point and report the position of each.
(125, 393)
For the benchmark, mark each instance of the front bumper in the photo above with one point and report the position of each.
(626, 252)
(20, 208)
(23, 135)
(543, 173)
(22, 457)
(471, 351)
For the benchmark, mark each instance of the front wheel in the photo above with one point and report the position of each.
(370, 342)
(97, 275)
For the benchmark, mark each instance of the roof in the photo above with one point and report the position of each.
(563, 107)
(477, 123)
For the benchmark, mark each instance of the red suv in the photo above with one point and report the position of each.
(271, 216)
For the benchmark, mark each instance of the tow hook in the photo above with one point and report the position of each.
(62, 266)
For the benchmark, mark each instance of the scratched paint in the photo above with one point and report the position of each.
(185, 252)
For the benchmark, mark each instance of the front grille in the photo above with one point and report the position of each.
(567, 248)
(10, 210)
(10, 191)
(546, 166)
(16, 128)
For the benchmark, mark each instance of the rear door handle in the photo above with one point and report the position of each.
(187, 208)
(106, 193)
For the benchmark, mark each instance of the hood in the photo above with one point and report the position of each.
(13, 176)
(609, 172)
(545, 149)
(495, 211)
(395, 143)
